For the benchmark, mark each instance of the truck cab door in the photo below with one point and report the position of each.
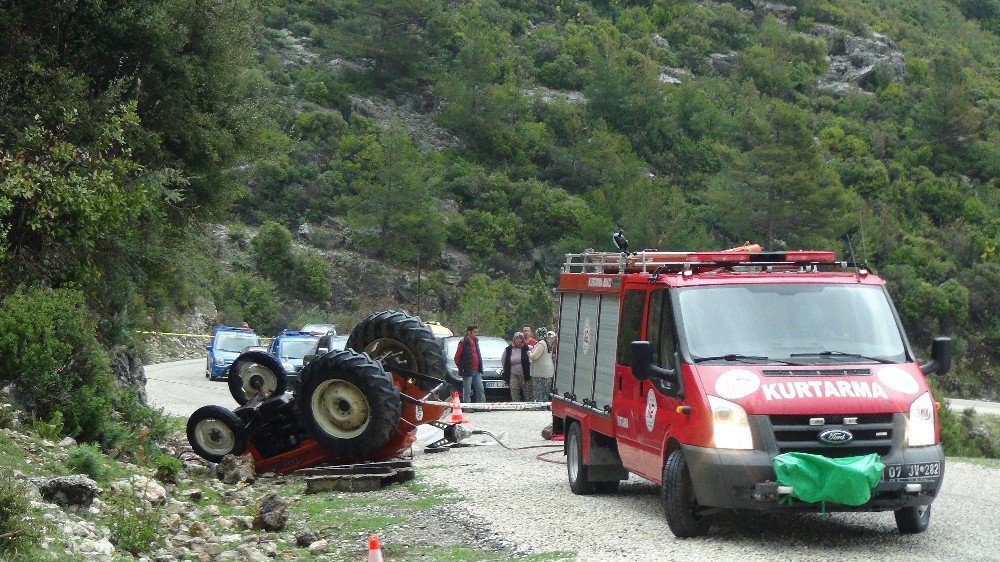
(627, 404)
(659, 400)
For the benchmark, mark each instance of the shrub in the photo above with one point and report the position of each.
(49, 350)
(272, 248)
(167, 469)
(17, 531)
(135, 429)
(311, 276)
(134, 523)
(89, 460)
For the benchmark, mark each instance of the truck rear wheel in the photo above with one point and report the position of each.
(348, 403)
(579, 482)
(913, 520)
(253, 373)
(397, 339)
(679, 503)
(214, 432)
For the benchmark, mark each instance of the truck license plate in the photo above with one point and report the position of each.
(915, 472)
(494, 384)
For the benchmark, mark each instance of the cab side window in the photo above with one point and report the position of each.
(659, 328)
(630, 329)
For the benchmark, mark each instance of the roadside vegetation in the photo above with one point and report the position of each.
(412, 518)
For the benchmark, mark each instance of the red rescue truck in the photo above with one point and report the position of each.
(695, 369)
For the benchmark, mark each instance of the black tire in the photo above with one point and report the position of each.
(256, 367)
(214, 432)
(913, 520)
(395, 338)
(678, 499)
(348, 403)
(576, 470)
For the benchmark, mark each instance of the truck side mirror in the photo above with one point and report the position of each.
(642, 363)
(940, 362)
(208, 348)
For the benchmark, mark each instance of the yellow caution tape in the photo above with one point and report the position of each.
(173, 334)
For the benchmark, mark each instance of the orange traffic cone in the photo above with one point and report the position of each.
(456, 411)
(374, 549)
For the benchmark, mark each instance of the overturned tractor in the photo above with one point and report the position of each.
(360, 404)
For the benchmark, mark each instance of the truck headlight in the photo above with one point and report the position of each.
(219, 361)
(731, 428)
(920, 425)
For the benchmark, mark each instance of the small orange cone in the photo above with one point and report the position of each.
(456, 411)
(374, 549)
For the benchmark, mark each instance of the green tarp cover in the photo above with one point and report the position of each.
(815, 478)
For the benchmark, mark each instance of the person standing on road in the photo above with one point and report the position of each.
(517, 369)
(542, 370)
(469, 361)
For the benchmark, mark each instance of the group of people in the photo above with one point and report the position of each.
(527, 365)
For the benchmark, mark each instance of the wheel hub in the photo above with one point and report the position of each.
(340, 409)
(259, 379)
(215, 436)
(391, 353)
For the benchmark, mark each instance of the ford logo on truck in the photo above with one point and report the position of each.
(836, 436)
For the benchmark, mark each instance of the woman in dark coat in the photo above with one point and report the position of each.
(517, 369)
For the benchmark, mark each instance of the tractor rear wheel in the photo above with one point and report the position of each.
(256, 372)
(348, 403)
(397, 339)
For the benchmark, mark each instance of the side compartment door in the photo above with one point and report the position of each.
(660, 413)
(628, 406)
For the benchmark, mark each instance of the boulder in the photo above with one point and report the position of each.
(660, 41)
(723, 63)
(783, 12)
(305, 538)
(234, 470)
(670, 75)
(272, 513)
(128, 370)
(71, 491)
(141, 487)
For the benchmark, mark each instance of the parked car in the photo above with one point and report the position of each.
(291, 347)
(326, 343)
(439, 330)
(227, 343)
(492, 351)
(320, 329)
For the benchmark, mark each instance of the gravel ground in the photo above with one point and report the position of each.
(528, 501)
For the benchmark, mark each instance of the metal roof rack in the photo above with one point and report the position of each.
(656, 262)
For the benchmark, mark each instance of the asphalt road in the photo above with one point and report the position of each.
(526, 500)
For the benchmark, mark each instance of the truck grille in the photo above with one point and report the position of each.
(872, 434)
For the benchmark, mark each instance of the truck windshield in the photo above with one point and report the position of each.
(760, 323)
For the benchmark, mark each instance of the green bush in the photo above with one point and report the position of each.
(311, 276)
(135, 430)
(167, 469)
(134, 523)
(89, 460)
(49, 350)
(13, 511)
(272, 248)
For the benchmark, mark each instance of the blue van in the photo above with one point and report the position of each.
(227, 344)
(290, 347)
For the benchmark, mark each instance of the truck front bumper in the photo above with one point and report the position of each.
(728, 478)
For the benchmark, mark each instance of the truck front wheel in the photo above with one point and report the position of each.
(579, 482)
(912, 520)
(679, 503)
